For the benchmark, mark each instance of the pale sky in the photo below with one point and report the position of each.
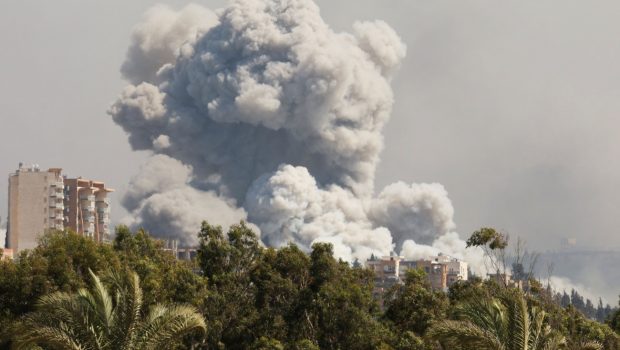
(512, 106)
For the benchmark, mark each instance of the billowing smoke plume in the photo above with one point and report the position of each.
(157, 40)
(163, 201)
(269, 113)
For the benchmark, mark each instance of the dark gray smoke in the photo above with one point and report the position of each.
(272, 115)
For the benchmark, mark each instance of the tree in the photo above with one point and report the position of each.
(414, 306)
(581, 332)
(494, 244)
(505, 323)
(59, 263)
(614, 318)
(99, 318)
(227, 261)
(163, 277)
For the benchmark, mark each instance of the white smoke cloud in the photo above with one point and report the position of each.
(288, 206)
(272, 112)
(564, 284)
(161, 199)
(157, 40)
(421, 208)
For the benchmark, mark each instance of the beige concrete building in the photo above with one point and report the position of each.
(436, 272)
(441, 271)
(35, 206)
(43, 200)
(87, 208)
(456, 269)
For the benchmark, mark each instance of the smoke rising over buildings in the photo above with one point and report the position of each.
(267, 114)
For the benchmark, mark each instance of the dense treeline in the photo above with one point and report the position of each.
(252, 297)
(600, 313)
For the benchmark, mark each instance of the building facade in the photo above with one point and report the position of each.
(42, 200)
(35, 206)
(441, 271)
(87, 208)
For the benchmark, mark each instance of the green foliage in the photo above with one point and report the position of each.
(264, 343)
(487, 236)
(164, 278)
(59, 263)
(252, 297)
(581, 331)
(226, 261)
(414, 306)
(283, 295)
(101, 318)
(614, 321)
(506, 323)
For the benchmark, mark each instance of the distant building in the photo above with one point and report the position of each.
(442, 271)
(7, 253)
(506, 279)
(87, 208)
(180, 253)
(456, 270)
(387, 273)
(35, 206)
(42, 200)
(568, 243)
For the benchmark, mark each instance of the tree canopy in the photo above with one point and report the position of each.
(255, 297)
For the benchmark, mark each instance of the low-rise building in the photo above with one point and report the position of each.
(442, 271)
(387, 271)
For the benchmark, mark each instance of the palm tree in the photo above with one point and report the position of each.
(98, 319)
(505, 323)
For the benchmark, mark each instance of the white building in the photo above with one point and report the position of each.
(457, 269)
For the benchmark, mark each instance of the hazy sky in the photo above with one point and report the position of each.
(512, 106)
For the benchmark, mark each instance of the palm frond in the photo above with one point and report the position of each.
(464, 335)
(167, 323)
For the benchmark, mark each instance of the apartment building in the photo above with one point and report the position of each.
(87, 208)
(42, 200)
(35, 205)
(442, 271)
(456, 270)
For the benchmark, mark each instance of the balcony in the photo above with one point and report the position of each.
(57, 205)
(58, 184)
(88, 207)
(103, 200)
(59, 226)
(103, 211)
(104, 220)
(58, 195)
(89, 218)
